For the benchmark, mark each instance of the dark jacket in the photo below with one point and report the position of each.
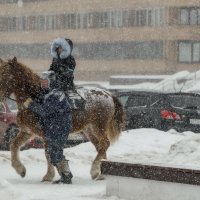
(54, 114)
(64, 70)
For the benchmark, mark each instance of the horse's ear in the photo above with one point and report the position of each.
(14, 60)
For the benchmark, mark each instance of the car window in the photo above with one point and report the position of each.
(2, 108)
(12, 104)
(153, 99)
(123, 99)
(134, 101)
(184, 101)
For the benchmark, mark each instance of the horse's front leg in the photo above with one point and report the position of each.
(50, 168)
(18, 141)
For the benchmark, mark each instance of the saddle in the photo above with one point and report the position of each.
(76, 101)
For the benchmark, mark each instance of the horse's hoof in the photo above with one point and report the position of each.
(21, 170)
(95, 170)
(95, 176)
(47, 178)
(23, 174)
(100, 177)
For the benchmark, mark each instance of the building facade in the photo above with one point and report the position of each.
(110, 37)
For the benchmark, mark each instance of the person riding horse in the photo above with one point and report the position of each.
(102, 119)
(63, 63)
(55, 119)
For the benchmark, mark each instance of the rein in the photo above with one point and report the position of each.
(11, 99)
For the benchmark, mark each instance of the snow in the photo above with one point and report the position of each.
(144, 146)
(140, 76)
(183, 81)
(137, 146)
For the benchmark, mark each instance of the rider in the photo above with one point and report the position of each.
(63, 63)
(55, 119)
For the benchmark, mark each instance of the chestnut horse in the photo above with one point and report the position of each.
(101, 121)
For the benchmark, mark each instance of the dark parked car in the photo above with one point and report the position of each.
(9, 128)
(8, 125)
(148, 109)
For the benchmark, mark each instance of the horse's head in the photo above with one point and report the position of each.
(5, 78)
(17, 78)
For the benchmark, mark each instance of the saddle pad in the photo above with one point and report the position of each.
(76, 101)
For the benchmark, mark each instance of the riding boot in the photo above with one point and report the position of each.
(64, 172)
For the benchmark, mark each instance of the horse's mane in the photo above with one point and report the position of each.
(29, 80)
(23, 69)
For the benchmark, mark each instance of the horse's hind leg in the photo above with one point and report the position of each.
(101, 144)
(20, 139)
(101, 154)
(50, 168)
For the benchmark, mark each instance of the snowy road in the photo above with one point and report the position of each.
(138, 146)
(14, 187)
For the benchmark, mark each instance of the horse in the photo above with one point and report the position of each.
(101, 120)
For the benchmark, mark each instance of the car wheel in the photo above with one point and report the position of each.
(9, 135)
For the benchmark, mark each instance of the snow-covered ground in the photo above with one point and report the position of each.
(136, 146)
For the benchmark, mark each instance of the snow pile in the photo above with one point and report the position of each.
(144, 146)
(186, 152)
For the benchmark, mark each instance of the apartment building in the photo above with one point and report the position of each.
(110, 36)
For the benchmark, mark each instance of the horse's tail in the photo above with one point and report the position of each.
(117, 121)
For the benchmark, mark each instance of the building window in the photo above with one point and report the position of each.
(150, 17)
(196, 52)
(198, 15)
(49, 22)
(193, 17)
(141, 18)
(190, 16)
(141, 50)
(189, 51)
(184, 16)
(40, 23)
(148, 50)
(156, 17)
(132, 18)
(125, 16)
(106, 19)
